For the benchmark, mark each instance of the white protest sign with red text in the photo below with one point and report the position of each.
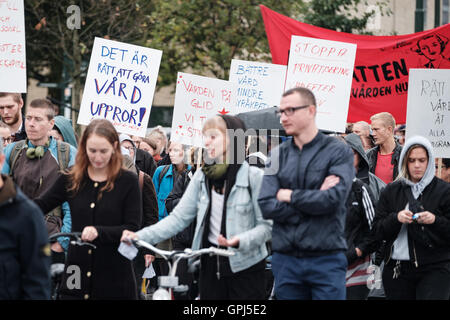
(259, 85)
(428, 110)
(198, 98)
(120, 85)
(326, 68)
(13, 72)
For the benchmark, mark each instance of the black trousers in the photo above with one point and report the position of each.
(248, 284)
(360, 292)
(429, 282)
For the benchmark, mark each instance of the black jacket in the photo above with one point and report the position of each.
(313, 223)
(372, 156)
(360, 214)
(363, 173)
(149, 202)
(24, 249)
(145, 162)
(184, 238)
(105, 273)
(427, 243)
(22, 134)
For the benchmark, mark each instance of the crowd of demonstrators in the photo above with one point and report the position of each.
(322, 210)
(227, 215)
(384, 157)
(306, 200)
(413, 217)
(24, 248)
(36, 163)
(104, 199)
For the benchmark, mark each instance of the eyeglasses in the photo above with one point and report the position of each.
(289, 111)
(7, 140)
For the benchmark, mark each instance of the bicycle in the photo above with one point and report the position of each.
(57, 269)
(169, 284)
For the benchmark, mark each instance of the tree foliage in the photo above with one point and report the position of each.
(341, 15)
(52, 45)
(204, 35)
(200, 36)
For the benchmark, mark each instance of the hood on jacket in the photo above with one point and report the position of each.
(418, 187)
(354, 141)
(65, 128)
(124, 137)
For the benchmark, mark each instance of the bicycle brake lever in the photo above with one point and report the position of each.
(81, 243)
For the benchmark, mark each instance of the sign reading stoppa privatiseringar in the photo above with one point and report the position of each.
(120, 85)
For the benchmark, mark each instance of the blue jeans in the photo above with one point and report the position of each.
(316, 278)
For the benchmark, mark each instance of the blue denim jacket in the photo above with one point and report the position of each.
(244, 218)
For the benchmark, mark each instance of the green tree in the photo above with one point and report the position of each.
(54, 44)
(200, 36)
(204, 35)
(340, 15)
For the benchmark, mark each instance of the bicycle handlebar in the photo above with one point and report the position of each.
(75, 236)
(187, 253)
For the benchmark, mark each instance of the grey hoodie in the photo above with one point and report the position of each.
(418, 187)
(375, 184)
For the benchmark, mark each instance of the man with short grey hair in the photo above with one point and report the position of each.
(362, 129)
(25, 263)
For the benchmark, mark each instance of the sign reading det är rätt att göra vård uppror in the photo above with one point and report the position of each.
(259, 85)
(13, 72)
(428, 110)
(198, 98)
(120, 85)
(326, 68)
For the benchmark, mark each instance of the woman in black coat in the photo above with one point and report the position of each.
(104, 200)
(413, 217)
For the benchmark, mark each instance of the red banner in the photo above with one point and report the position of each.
(380, 76)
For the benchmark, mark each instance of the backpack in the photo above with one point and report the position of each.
(63, 154)
(53, 219)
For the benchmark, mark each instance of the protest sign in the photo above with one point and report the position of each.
(12, 47)
(259, 85)
(380, 75)
(326, 68)
(120, 85)
(198, 98)
(428, 111)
